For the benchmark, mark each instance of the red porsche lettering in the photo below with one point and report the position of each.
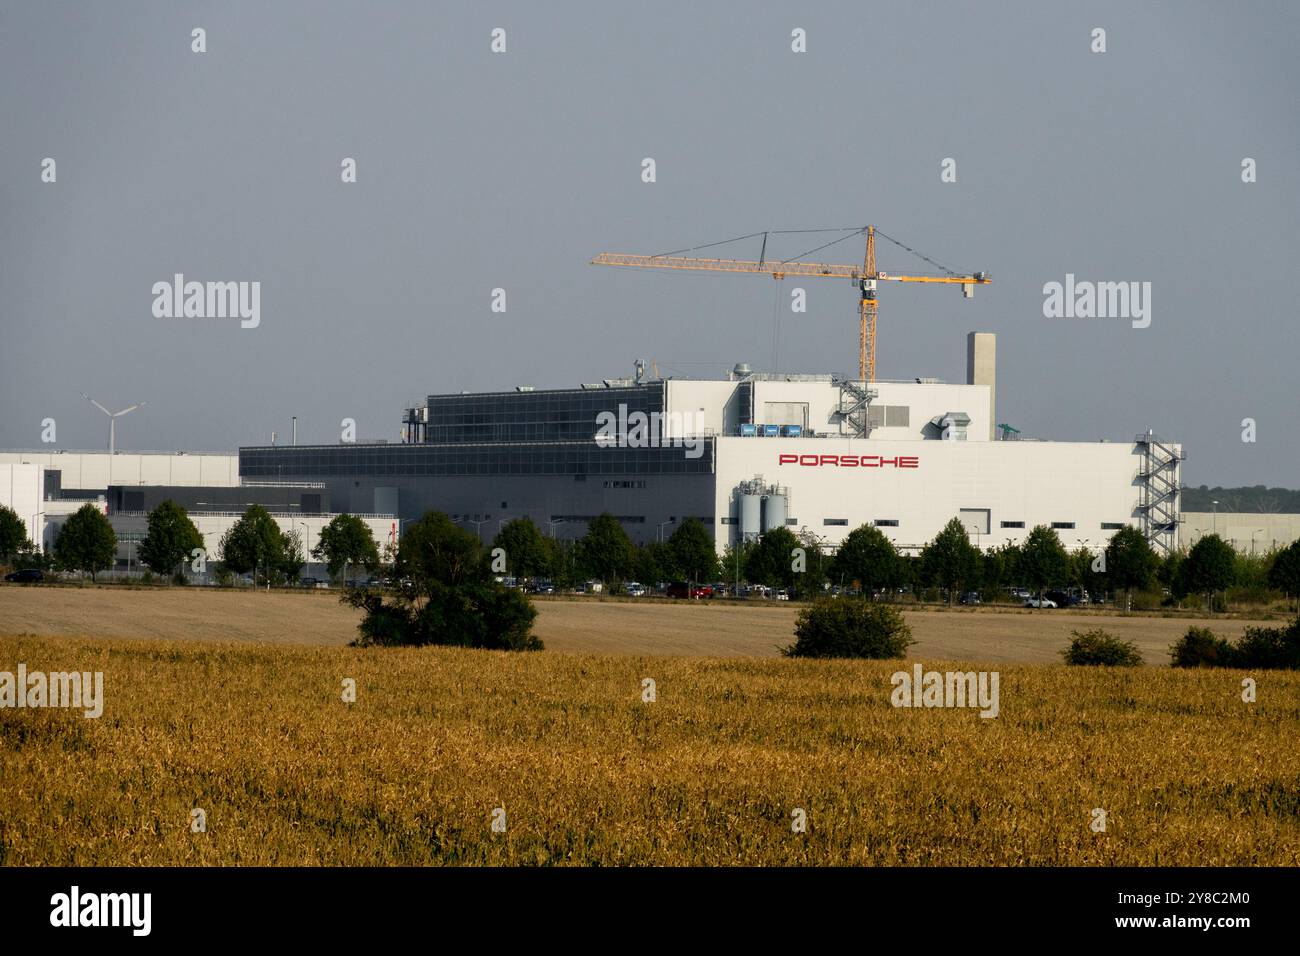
(849, 461)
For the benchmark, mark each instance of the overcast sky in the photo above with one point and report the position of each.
(479, 170)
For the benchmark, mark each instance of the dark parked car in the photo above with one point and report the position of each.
(970, 597)
(1065, 598)
(26, 576)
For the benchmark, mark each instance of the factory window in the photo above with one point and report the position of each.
(505, 505)
(886, 522)
(726, 520)
(792, 521)
(1063, 525)
(837, 522)
(1111, 525)
(1013, 524)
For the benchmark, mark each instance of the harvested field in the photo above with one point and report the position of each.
(702, 628)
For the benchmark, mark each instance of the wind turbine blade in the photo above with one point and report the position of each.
(97, 405)
(131, 409)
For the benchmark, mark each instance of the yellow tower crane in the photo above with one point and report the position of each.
(865, 276)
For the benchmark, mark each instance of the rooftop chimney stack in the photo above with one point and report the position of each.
(981, 369)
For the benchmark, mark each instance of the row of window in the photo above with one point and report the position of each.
(843, 522)
(576, 458)
(558, 415)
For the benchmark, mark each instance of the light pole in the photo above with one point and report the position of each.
(660, 534)
(305, 530)
(1215, 525)
(478, 526)
(552, 523)
(1252, 540)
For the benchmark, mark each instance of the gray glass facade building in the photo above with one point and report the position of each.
(493, 456)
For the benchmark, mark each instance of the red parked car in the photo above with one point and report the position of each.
(680, 589)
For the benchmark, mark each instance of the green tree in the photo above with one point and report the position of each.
(526, 555)
(13, 534)
(562, 562)
(735, 561)
(1209, 568)
(999, 567)
(1169, 573)
(448, 596)
(605, 551)
(1130, 562)
(435, 551)
(1043, 561)
(773, 560)
(817, 567)
(693, 551)
(170, 540)
(656, 562)
(290, 566)
(950, 560)
(867, 558)
(1284, 573)
(86, 542)
(254, 542)
(346, 541)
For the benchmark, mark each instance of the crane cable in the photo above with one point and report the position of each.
(850, 232)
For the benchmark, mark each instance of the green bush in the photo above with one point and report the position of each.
(1267, 648)
(1098, 648)
(1270, 648)
(849, 627)
(1254, 594)
(1201, 647)
(481, 614)
(1145, 600)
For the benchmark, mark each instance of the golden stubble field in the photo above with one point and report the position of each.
(703, 628)
(588, 773)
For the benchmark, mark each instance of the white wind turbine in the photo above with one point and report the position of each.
(112, 420)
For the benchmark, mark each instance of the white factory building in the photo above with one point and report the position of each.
(45, 487)
(815, 453)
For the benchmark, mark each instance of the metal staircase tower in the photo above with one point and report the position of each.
(855, 398)
(1159, 487)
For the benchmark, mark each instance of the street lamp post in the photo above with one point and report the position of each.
(1214, 527)
(478, 526)
(305, 529)
(550, 525)
(1252, 540)
(660, 534)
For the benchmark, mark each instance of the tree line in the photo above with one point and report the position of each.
(865, 560)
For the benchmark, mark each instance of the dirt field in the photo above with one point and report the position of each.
(705, 629)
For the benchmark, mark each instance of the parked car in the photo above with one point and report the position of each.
(1021, 593)
(1071, 598)
(681, 590)
(970, 597)
(634, 589)
(781, 595)
(307, 582)
(26, 576)
(1035, 602)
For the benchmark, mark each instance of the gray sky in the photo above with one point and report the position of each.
(479, 170)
